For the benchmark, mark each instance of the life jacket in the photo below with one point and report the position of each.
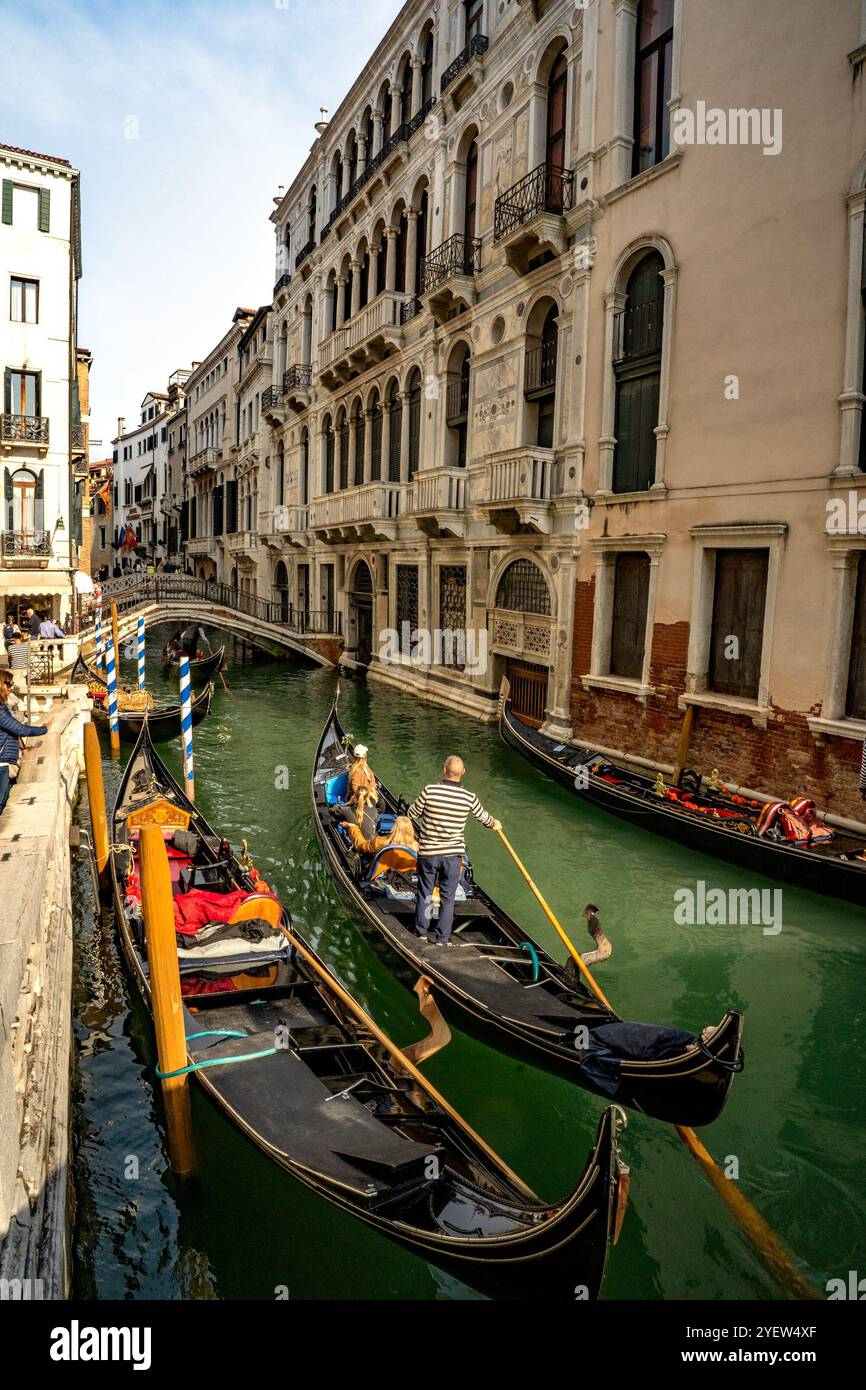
(781, 817)
(807, 811)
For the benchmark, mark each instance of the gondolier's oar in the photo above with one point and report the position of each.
(560, 931)
(399, 1056)
(767, 1244)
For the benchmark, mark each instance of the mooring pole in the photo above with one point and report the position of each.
(685, 741)
(165, 995)
(96, 798)
(111, 681)
(186, 728)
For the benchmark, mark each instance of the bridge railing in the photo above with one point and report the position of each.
(169, 588)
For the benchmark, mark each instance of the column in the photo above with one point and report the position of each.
(352, 433)
(623, 99)
(356, 287)
(368, 445)
(851, 397)
(373, 276)
(362, 155)
(339, 291)
(385, 469)
(416, 86)
(662, 429)
(411, 251)
(390, 259)
(404, 437)
(377, 134)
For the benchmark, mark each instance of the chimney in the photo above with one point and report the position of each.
(121, 424)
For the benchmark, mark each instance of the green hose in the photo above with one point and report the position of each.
(215, 1061)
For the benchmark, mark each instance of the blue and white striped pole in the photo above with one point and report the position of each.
(141, 653)
(111, 679)
(100, 648)
(186, 728)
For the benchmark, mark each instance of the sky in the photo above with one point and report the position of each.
(183, 119)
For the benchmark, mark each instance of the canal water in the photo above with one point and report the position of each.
(792, 1130)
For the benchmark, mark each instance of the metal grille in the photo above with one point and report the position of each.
(452, 615)
(272, 397)
(522, 589)
(541, 368)
(297, 377)
(459, 255)
(457, 400)
(24, 429)
(409, 308)
(407, 604)
(528, 691)
(26, 543)
(304, 253)
(479, 44)
(548, 188)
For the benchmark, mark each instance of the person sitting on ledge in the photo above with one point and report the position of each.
(12, 731)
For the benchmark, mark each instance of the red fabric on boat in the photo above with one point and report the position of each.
(196, 908)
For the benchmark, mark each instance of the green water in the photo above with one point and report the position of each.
(242, 1229)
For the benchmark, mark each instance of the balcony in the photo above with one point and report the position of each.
(273, 405)
(539, 377)
(448, 275)
(410, 309)
(77, 435)
(242, 544)
(401, 136)
(205, 461)
(200, 545)
(514, 490)
(26, 549)
(462, 76)
(361, 342)
(289, 526)
(529, 220)
(439, 501)
(249, 453)
(23, 430)
(368, 512)
(296, 387)
(285, 279)
(304, 253)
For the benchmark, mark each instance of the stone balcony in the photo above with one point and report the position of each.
(369, 512)
(249, 453)
(242, 542)
(514, 490)
(439, 500)
(286, 526)
(200, 545)
(362, 341)
(205, 461)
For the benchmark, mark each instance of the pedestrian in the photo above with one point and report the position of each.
(11, 633)
(32, 623)
(48, 629)
(12, 731)
(441, 812)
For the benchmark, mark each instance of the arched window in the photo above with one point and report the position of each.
(522, 589)
(414, 423)
(343, 432)
(469, 219)
(457, 406)
(427, 71)
(329, 454)
(406, 93)
(539, 385)
(387, 109)
(353, 161)
(395, 434)
(360, 430)
(331, 315)
(652, 88)
(338, 178)
(304, 479)
(637, 370)
(376, 421)
(557, 108)
(281, 591)
(24, 500)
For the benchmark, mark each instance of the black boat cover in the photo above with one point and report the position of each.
(611, 1044)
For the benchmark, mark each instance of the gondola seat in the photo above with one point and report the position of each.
(336, 788)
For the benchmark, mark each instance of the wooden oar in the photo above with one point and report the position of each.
(399, 1056)
(223, 679)
(762, 1236)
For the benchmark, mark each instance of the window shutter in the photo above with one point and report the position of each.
(45, 209)
(628, 634)
(855, 705)
(738, 611)
(7, 202)
(40, 485)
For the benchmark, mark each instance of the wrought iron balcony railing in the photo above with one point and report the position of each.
(24, 429)
(409, 308)
(304, 253)
(298, 378)
(272, 398)
(285, 279)
(26, 543)
(78, 436)
(548, 188)
(457, 401)
(473, 49)
(637, 331)
(459, 255)
(540, 375)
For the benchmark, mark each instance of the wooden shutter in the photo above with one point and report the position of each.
(855, 703)
(45, 209)
(7, 202)
(738, 611)
(637, 414)
(628, 633)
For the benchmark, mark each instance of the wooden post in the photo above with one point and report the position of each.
(165, 994)
(685, 740)
(96, 797)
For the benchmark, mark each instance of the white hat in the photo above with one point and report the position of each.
(360, 750)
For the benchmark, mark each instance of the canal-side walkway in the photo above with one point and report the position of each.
(35, 1005)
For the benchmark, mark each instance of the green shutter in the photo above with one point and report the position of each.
(44, 210)
(7, 202)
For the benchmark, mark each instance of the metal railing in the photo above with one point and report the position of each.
(24, 429)
(173, 588)
(548, 188)
(476, 46)
(404, 132)
(304, 252)
(298, 378)
(459, 255)
(77, 437)
(457, 401)
(285, 279)
(17, 544)
(540, 374)
(637, 330)
(272, 398)
(409, 309)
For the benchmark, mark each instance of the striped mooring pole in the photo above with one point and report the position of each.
(100, 647)
(141, 653)
(186, 728)
(111, 679)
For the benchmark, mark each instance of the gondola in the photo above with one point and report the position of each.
(507, 985)
(693, 814)
(164, 721)
(206, 668)
(331, 1103)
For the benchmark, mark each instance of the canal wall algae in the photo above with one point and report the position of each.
(35, 1007)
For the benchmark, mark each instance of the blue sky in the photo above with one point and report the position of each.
(175, 221)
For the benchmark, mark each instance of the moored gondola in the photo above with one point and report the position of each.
(749, 834)
(327, 1096)
(205, 668)
(508, 985)
(163, 721)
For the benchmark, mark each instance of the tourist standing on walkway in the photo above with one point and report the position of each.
(12, 731)
(441, 812)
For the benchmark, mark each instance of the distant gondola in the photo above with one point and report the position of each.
(698, 817)
(164, 721)
(508, 984)
(205, 669)
(331, 1103)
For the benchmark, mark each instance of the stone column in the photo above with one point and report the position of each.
(339, 288)
(385, 468)
(411, 251)
(368, 445)
(377, 133)
(350, 470)
(373, 276)
(404, 437)
(625, 40)
(851, 397)
(390, 259)
(356, 288)
(362, 155)
(417, 65)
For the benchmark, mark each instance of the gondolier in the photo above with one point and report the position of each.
(441, 812)
(862, 782)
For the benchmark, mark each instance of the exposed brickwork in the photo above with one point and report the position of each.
(783, 758)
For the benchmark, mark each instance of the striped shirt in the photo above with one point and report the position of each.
(862, 781)
(441, 812)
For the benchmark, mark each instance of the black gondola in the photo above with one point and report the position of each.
(332, 1104)
(508, 985)
(206, 668)
(164, 721)
(722, 826)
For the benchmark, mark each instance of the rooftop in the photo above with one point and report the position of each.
(34, 154)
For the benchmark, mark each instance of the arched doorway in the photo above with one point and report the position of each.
(523, 631)
(361, 612)
(281, 591)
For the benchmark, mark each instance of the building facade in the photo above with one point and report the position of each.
(140, 457)
(41, 437)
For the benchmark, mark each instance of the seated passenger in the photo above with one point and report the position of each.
(362, 790)
(401, 834)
